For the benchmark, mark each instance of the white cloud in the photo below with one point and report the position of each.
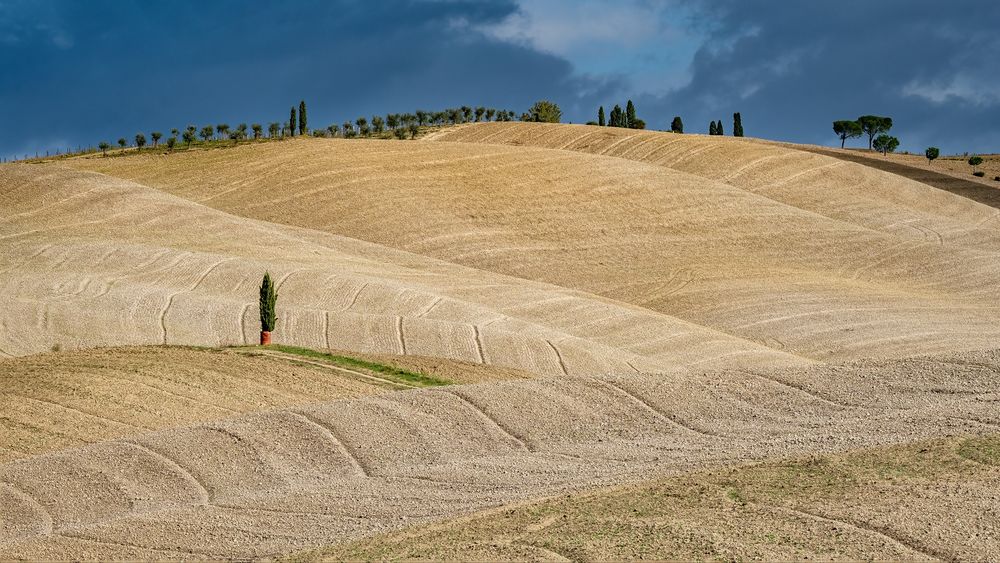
(980, 90)
(651, 43)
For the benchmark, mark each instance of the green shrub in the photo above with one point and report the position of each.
(543, 111)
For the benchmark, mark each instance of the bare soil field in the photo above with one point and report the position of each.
(55, 401)
(61, 400)
(945, 175)
(611, 308)
(827, 507)
(800, 253)
(96, 261)
(957, 166)
(272, 482)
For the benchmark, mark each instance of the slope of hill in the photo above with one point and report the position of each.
(267, 483)
(827, 507)
(945, 176)
(823, 259)
(91, 260)
(55, 401)
(663, 307)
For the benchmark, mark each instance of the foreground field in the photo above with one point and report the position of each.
(501, 313)
(818, 507)
(57, 401)
(268, 483)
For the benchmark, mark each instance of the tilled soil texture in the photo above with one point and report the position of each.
(55, 401)
(924, 501)
(270, 483)
(983, 190)
(818, 258)
(91, 260)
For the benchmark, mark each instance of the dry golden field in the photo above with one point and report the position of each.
(957, 166)
(607, 308)
(802, 254)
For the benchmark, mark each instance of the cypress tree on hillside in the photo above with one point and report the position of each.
(600, 116)
(711, 128)
(629, 115)
(617, 117)
(737, 125)
(303, 125)
(268, 299)
(718, 128)
(677, 126)
(291, 122)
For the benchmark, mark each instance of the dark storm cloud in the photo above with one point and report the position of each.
(81, 72)
(792, 67)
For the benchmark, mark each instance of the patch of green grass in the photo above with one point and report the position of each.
(983, 450)
(392, 372)
(735, 495)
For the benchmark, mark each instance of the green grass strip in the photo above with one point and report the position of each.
(411, 377)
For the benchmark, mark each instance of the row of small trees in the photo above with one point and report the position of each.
(403, 124)
(628, 119)
(192, 133)
(400, 124)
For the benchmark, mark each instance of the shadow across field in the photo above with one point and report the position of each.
(966, 188)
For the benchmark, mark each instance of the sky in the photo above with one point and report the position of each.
(78, 72)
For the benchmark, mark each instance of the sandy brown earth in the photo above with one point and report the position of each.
(796, 252)
(661, 304)
(269, 483)
(133, 265)
(957, 166)
(960, 183)
(871, 504)
(56, 401)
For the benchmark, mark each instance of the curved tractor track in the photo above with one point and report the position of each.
(267, 483)
(794, 252)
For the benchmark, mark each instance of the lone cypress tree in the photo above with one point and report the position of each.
(268, 297)
(600, 116)
(677, 126)
(303, 126)
(291, 122)
(630, 120)
(737, 125)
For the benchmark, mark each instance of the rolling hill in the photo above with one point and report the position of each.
(603, 307)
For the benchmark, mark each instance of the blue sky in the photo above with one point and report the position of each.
(78, 72)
